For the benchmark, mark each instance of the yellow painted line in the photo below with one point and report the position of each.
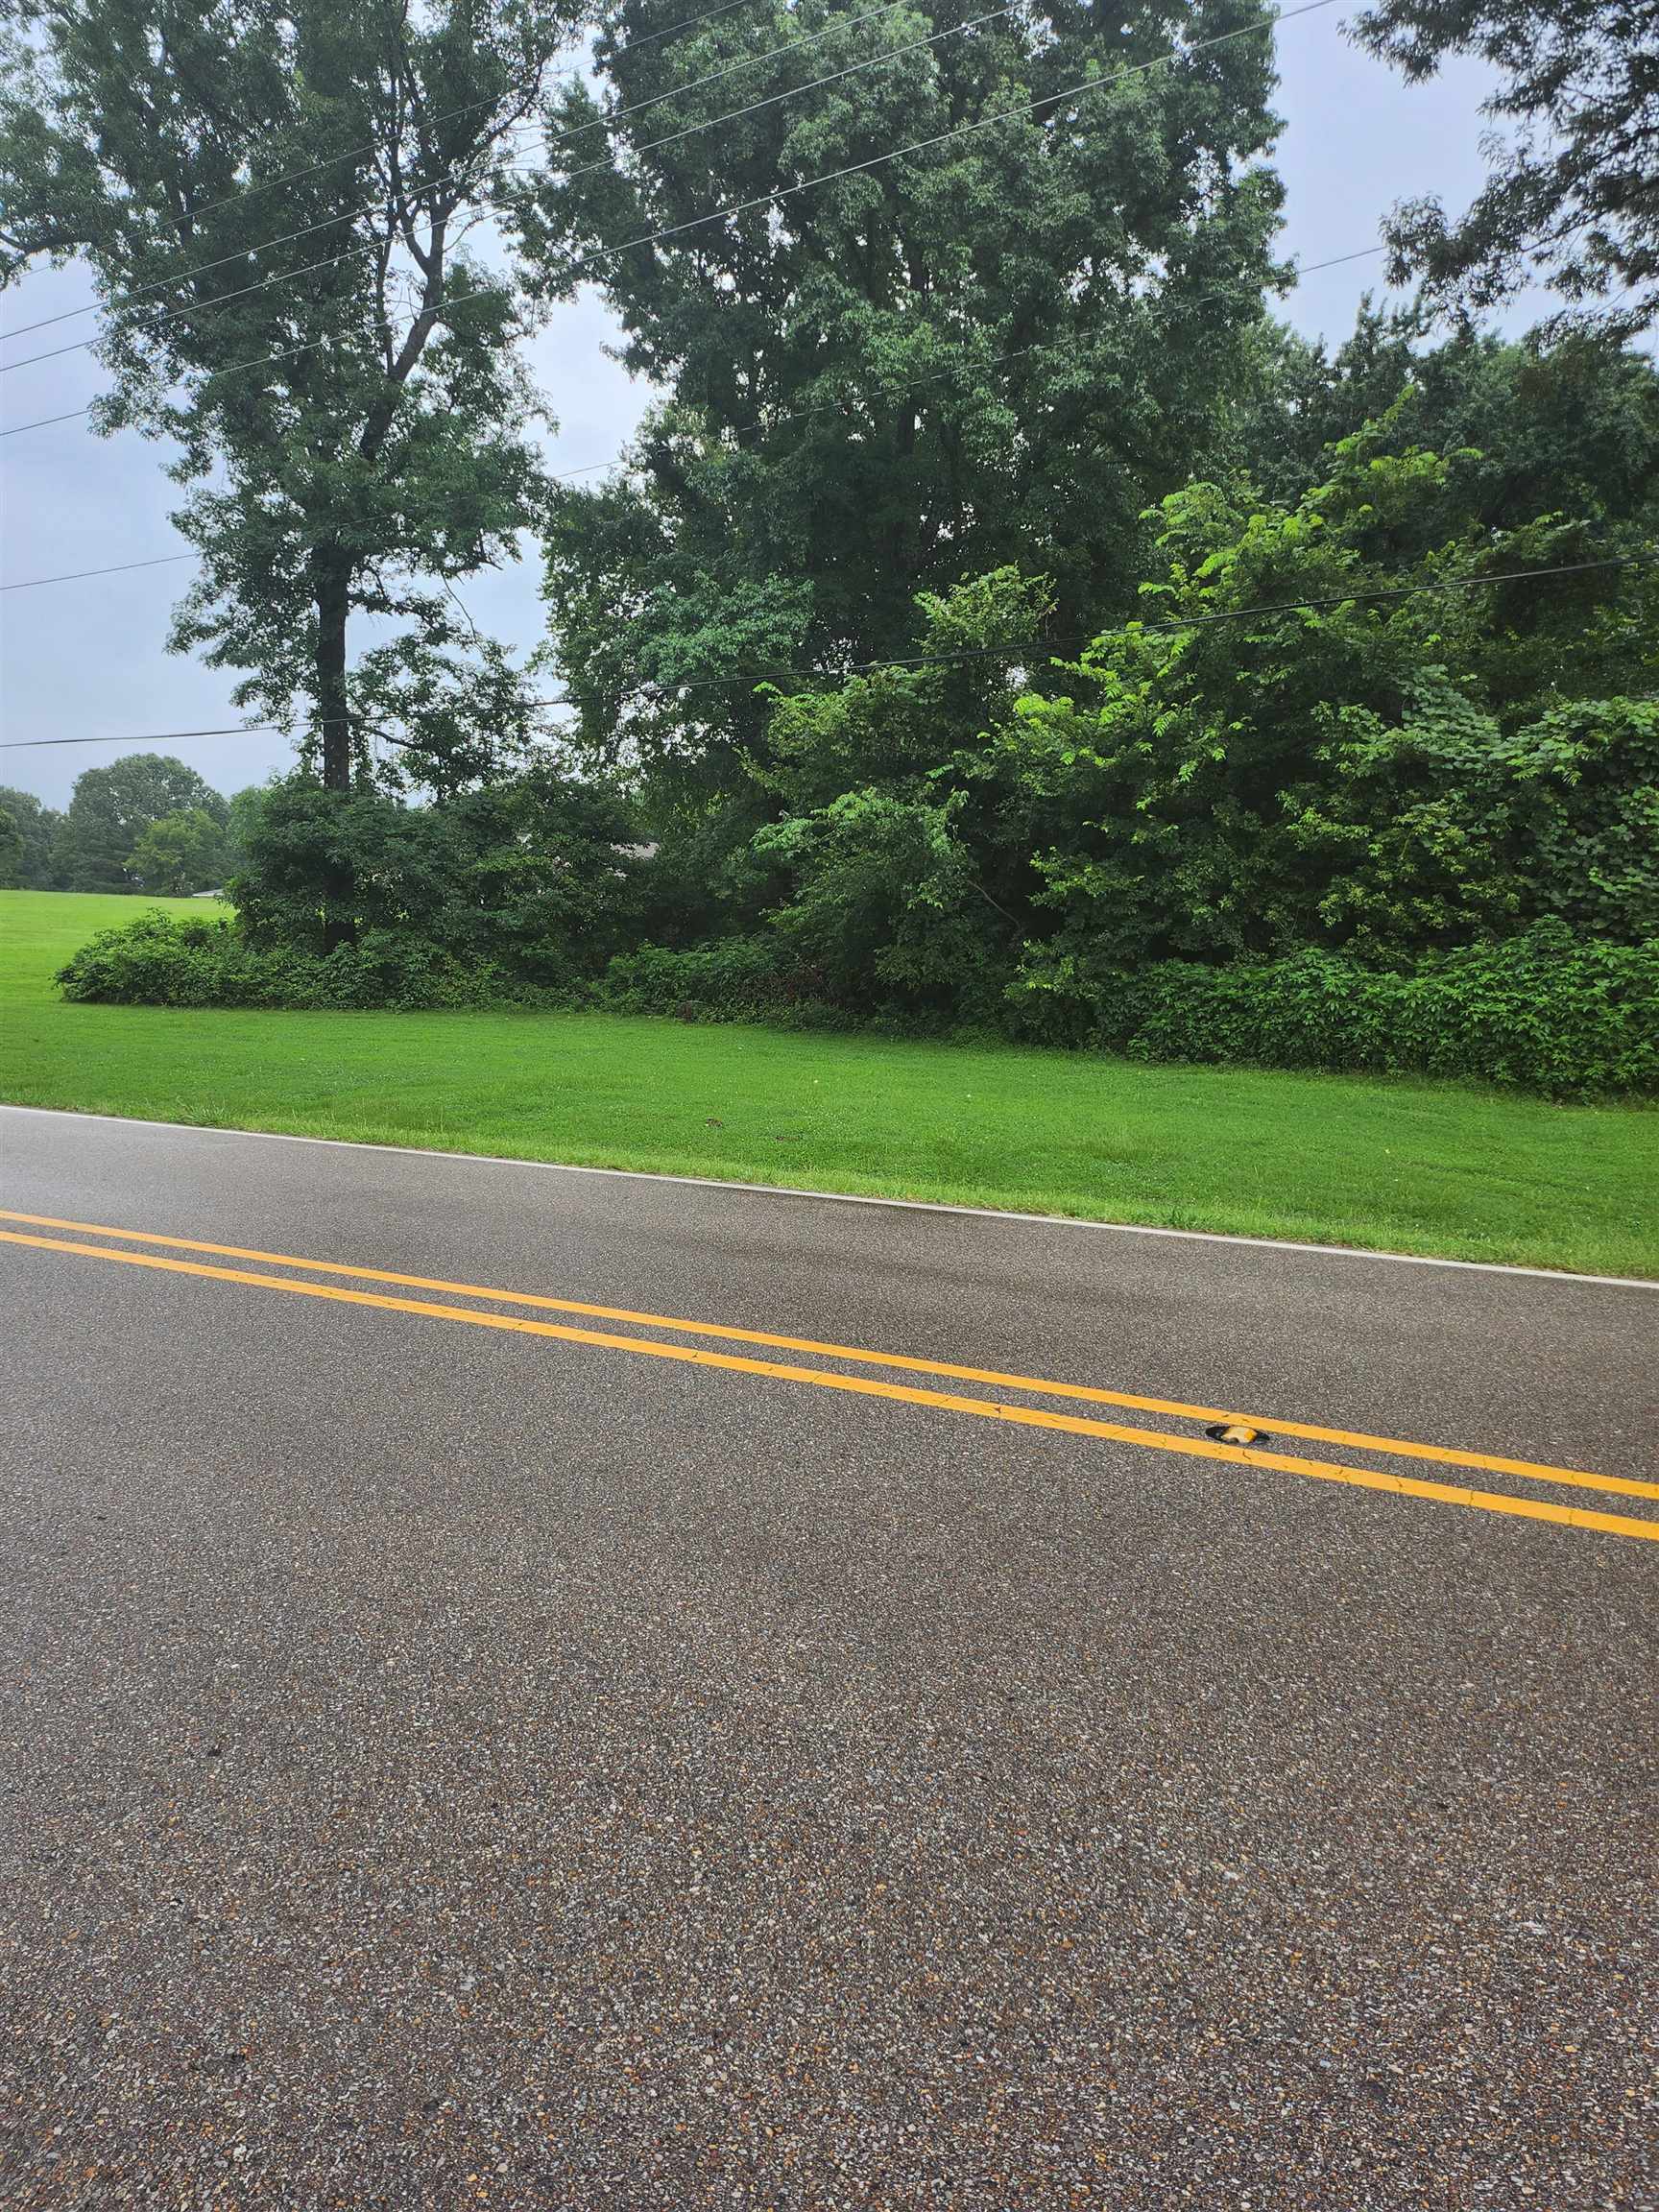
(869, 1386)
(1487, 1463)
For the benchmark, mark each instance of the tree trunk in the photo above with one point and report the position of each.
(331, 583)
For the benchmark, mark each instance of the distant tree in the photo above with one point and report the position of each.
(38, 826)
(1570, 198)
(112, 807)
(11, 852)
(273, 197)
(179, 854)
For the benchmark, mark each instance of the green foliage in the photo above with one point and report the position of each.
(883, 894)
(1542, 1012)
(180, 855)
(1584, 816)
(199, 159)
(1000, 349)
(893, 874)
(1527, 428)
(733, 979)
(12, 853)
(1261, 775)
(533, 876)
(37, 825)
(1570, 199)
(112, 810)
(159, 960)
(241, 814)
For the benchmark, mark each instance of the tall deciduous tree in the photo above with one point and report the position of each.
(1572, 197)
(276, 196)
(1003, 346)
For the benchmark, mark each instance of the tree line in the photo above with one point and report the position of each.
(146, 823)
(997, 602)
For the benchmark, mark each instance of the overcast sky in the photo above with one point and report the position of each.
(88, 658)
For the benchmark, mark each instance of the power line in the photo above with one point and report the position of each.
(365, 206)
(287, 276)
(79, 575)
(1177, 622)
(1024, 108)
(146, 736)
(350, 152)
(45, 421)
(1030, 650)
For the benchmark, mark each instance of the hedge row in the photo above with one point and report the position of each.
(1542, 1012)
(203, 960)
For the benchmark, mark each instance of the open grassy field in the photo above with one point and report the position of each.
(1404, 1167)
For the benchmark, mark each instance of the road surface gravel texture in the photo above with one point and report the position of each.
(452, 1763)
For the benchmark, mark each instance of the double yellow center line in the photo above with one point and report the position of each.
(1195, 1446)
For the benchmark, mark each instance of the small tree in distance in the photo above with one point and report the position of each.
(11, 852)
(178, 855)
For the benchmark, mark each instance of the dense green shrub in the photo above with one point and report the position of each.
(733, 979)
(159, 960)
(1544, 1011)
(533, 874)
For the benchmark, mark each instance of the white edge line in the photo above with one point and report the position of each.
(848, 1198)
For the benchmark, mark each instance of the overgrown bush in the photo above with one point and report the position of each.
(533, 874)
(1541, 1012)
(733, 979)
(206, 961)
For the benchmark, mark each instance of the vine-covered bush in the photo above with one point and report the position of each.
(1544, 1011)
(733, 979)
(159, 960)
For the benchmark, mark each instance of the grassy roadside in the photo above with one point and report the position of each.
(1402, 1166)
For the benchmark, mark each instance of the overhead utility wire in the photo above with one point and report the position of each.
(350, 152)
(1030, 650)
(118, 568)
(368, 206)
(281, 278)
(1023, 108)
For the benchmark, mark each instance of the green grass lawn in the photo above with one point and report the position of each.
(1405, 1166)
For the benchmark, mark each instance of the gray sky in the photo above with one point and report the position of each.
(90, 659)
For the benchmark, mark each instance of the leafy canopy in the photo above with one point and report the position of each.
(181, 854)
(1000, 347)
(36, 825)
(276, 199)
(1570, 198)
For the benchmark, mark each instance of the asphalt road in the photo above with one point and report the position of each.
(467, 1757)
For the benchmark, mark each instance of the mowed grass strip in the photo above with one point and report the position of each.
(1401, 1167)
